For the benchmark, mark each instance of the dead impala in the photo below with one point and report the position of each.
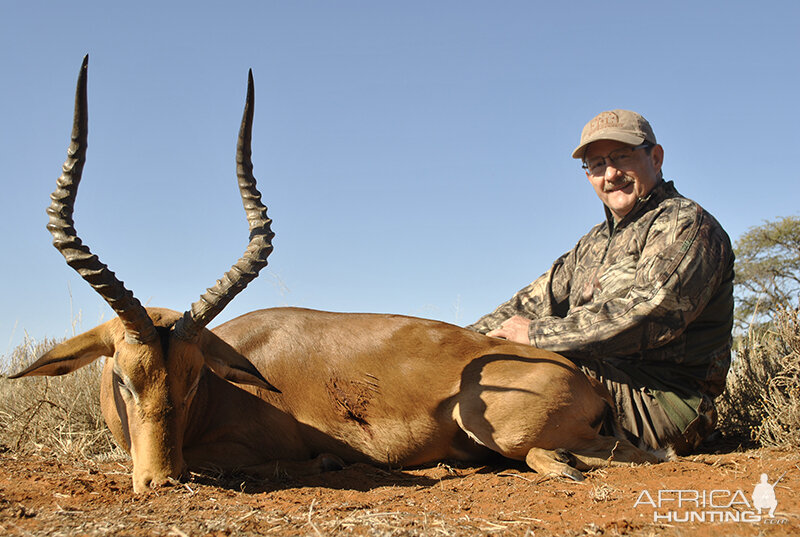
(383, 389)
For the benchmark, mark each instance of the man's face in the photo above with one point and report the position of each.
(628, 179)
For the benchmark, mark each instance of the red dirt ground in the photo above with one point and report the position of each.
(41, 496)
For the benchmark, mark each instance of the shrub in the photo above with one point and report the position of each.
(761, 403)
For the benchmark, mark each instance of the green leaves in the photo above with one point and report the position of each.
(767, 270)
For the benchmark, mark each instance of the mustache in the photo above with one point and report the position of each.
(623, 181)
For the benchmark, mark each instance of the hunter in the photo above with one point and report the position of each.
(644, 301)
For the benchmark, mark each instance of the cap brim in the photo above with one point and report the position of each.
(624, 137)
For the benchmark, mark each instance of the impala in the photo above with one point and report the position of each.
(383, 389)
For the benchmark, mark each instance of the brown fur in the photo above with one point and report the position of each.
(383, 389)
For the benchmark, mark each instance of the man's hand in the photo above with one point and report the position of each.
(513, 329)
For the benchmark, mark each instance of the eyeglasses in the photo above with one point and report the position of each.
(618, 158)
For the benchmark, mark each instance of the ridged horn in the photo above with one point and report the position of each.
(138, 326)
(214, 300)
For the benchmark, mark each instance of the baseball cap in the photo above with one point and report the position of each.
(621, 125)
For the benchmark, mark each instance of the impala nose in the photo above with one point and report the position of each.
(147, 481)
(161, 482)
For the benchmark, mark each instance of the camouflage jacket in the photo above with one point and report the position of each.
(653, 294)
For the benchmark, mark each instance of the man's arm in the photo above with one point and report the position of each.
(548, 295)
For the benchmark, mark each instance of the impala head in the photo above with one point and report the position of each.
(156, 356)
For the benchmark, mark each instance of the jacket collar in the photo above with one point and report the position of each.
(663, 190)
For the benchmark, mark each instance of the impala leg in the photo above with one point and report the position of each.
(552, 462)
(604, 451)
(610, 451)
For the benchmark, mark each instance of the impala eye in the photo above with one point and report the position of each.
(117, 379)
(123, 383)
(193, 389)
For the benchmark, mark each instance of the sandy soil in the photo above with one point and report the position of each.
(47, 496)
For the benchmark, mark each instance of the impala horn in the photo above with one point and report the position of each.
(138, 326)
(214, 300)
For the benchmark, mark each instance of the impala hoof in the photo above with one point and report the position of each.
(572, 474)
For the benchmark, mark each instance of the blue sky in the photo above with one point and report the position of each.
(415, 156)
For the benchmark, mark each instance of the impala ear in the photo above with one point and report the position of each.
(226, 362)
(72, 354)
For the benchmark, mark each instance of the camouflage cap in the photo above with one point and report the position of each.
(620, 125)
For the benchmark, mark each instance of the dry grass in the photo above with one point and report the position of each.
(761, 403)
(781, 425)
(59, 415)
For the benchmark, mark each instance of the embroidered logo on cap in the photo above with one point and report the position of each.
(602, 121)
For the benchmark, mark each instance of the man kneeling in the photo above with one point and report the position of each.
(644, 301)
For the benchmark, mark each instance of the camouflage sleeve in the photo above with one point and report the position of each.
(680, 267)
(547, 296)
